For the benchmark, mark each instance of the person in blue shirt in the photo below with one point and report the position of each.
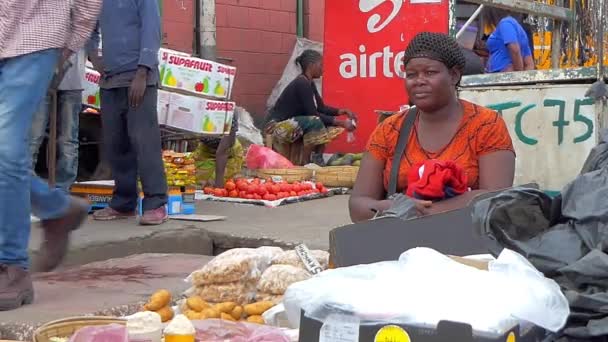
(131, 38)
(508, 45)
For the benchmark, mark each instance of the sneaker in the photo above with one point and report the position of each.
(109, 214)
(57, 235)
(15, 287)
(154, 217)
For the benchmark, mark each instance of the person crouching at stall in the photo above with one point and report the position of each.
(218, 159)
(509, 45)
(442, 135)
(300, 112)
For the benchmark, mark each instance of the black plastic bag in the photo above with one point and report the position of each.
(598, 157)
(565, 238)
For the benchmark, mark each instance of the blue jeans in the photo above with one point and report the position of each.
(69, 104)
(24, 81)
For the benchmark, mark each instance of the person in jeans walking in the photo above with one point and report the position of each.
(69, 105)
(35, 35)
(131, 38)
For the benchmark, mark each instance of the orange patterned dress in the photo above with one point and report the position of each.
(481, 131)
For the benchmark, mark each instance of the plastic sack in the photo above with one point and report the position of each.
(102, 333)
(247, 132)
(277, 278)
(565, 238)
(292, 258)
(261, 157)
(214, 330)
(598, 157)
(238, 264)
(241, 292)
(415, 290)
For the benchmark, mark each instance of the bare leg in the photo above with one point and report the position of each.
(221, 159)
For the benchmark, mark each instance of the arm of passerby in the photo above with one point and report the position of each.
(222, 153)
(221, 158)
(150, 33)
(150, 36)
(84, 18)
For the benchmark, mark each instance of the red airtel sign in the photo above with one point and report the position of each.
(362, 56)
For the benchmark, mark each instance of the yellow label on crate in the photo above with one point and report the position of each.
(392, 333)
(511, 337)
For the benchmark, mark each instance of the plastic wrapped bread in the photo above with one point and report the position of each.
(292, 258)
(277, 278)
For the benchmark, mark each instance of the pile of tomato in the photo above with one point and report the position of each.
(268, 190)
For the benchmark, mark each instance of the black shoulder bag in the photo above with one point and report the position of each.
(404, 134)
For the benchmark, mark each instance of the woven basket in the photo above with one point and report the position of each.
(68, 326)
(337, 176)
(289, 175)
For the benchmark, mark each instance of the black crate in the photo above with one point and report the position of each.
(445, 331)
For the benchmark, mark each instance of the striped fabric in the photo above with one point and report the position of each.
(28, 26)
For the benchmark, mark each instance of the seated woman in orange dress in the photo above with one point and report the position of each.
(443, 127)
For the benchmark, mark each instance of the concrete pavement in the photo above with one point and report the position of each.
(120, 285)
(115, 287)
(246, 225)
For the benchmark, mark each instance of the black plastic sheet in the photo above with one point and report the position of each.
(598, 157)
(566, 238)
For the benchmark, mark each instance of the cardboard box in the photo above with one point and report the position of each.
(445, 331)
(196, 115)
(197, 76)
(163, 54)
(90, 95)
(185, 113)
(448, 331)
(164, 98)
(220, 114)
(98, 193)
(385, 239)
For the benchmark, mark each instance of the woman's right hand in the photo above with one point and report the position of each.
(423, 207)
(346, 124)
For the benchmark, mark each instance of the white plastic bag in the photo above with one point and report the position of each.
(546, 305)
(425, 287)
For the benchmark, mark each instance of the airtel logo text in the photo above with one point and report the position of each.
(374, 23)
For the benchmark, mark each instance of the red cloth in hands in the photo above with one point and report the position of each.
(436, 180)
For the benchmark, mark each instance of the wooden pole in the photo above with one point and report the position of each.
(556, 40)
